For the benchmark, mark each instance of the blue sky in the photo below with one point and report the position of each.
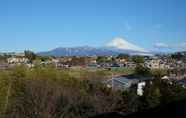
(41, 25)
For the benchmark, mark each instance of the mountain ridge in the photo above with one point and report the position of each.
(114, 47)
(88, 51)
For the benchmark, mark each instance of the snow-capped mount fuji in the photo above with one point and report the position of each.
(121, 44)
(114, 47)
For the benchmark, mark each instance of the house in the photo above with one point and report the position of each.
(130, 64)
(180, 65)
(153, 63)
(93, 59)
(20, 54)
(140, 88)
(158, 63)
(121, 60)
(105, 64)
(114, 64)
(55, 60)
(17, 60)
(120, 83)
(64, 66)
(65, 59)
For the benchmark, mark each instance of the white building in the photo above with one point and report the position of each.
(120, 83)
(140, 88)
(17, 60)
(157, 64)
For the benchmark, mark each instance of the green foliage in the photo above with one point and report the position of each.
(103, 59)
(46, 92)
(142, 71)
(151, 96)
(138, 59)
(43, 92)
(124, 70)
(78, 61)
(4, 81)
(160, 92)
(3, 58)
(123, 56)
(30, 55)
(178, 56)
(159, 73)
(43, 58)
(18, 72)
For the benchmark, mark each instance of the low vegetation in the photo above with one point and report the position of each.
(45, 92)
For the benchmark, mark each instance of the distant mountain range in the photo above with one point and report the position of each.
(115, 47)
(78, 51)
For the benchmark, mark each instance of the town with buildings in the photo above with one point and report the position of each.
(174, 63)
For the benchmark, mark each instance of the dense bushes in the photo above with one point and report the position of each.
(45, 92)
(140, 70)
(50, 93)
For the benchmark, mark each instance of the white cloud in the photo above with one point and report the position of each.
(178, 46)
(122, 44)
(161, 45)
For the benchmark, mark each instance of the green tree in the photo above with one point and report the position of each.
(123, 56)
(159, 73)
(30, 55)
(152, 96)
(178, 56)
(142, 71)
(3, 59)
(138, 59)
(102, 59)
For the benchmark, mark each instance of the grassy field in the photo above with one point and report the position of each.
(123, 70)
(94, 73)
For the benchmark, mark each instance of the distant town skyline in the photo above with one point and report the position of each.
(42, 25)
